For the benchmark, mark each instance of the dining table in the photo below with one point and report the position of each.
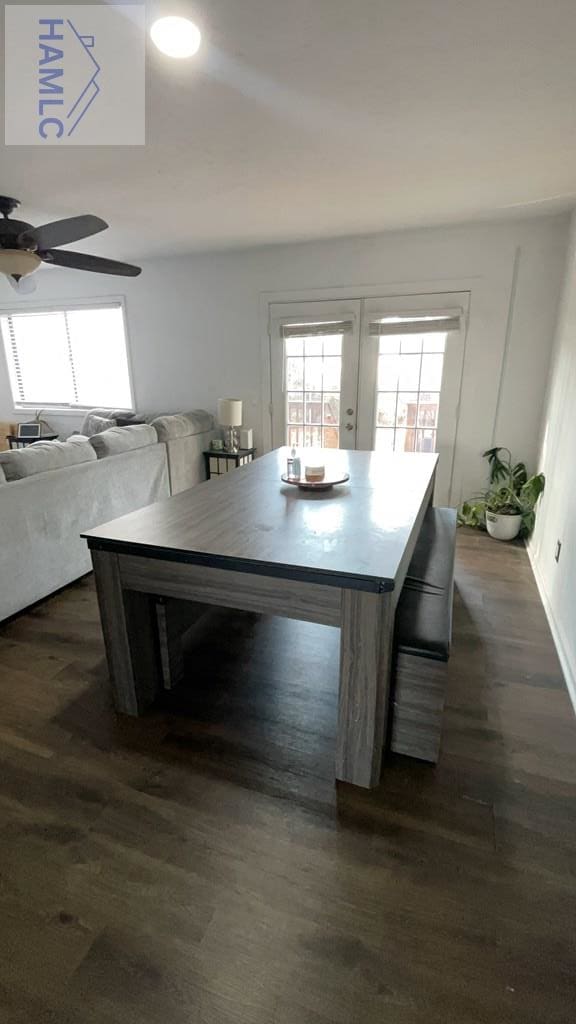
(250, 541)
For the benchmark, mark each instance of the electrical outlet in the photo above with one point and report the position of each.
(558, 550)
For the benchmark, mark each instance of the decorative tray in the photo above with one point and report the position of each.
(316, 485)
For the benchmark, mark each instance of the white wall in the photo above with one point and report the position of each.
(196, 327)
(557, 513)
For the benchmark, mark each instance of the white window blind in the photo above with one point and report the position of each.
(74, 358)
(407, 324)
(320, 329)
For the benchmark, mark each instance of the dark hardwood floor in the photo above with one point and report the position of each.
(199, 866)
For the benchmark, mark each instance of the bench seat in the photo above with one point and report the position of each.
(422, 639)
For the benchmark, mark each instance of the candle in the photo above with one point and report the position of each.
(314, 474)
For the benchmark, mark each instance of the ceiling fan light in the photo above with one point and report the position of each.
(176, 37)
(18, 262)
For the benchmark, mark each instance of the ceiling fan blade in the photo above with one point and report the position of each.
(61, 232)
(22, 285)
(82, 261)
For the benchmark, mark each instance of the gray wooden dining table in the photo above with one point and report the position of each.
(251, 542)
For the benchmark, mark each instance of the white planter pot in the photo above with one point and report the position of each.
(503, 527)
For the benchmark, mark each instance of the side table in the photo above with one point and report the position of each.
(22, 442)
(219, 462)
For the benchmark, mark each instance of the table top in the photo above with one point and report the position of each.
(360, 534)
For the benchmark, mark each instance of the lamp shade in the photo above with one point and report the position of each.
(230, 412)
(18, 262)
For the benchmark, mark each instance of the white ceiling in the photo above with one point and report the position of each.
(316, 118)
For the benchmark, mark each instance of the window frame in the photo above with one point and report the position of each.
(64, 306)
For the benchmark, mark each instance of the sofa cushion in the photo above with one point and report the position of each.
(45, 455)
(122, 439)
(96, 424)
(97, 420)
(183, 424)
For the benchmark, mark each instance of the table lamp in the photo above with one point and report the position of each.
(230, 417)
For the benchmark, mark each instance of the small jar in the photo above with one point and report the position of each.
(314, 474)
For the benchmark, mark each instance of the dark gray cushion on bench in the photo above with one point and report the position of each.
(424, 613)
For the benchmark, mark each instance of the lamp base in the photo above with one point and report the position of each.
(231, 440)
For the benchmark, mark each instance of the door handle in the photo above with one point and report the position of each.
(349, 426)
(349, 412)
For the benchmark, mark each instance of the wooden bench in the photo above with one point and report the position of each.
(422, 639)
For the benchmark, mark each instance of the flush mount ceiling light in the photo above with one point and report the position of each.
(176, 37)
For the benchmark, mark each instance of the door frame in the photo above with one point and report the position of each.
(449, 303)
(285, 313)
(466, 287)
(487, 296)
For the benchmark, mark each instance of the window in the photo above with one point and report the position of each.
(313, 371)
(410, 365)
(75, 358)
(409, 379)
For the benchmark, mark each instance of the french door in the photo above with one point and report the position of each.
(315, 349)
(373, 373)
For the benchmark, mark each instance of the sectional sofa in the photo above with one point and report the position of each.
(52, 491)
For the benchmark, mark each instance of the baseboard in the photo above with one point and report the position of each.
(568, 669)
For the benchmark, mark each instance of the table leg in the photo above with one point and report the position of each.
(367, 627)
(175, 620)
(130, 635)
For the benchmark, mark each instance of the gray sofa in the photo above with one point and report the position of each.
(52, 491)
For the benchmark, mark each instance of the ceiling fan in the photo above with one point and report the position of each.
(23, 248)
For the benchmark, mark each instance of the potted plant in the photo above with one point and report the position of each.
(507, 508)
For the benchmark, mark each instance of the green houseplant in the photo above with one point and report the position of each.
(508, 508)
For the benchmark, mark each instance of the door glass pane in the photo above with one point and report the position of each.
(330, 437)
(313, 371)
(405, 440)
(434, 343)
(331, 412)
(295, 374)
(407, 409)
(431, 376)
(411, 343)
(332, 369)
(426, 441)
(409, 374)
(294, 346)
(389, 344)
(313, 346)
(333, 346)
(295, 436)
(295, 407)
(313, 407)
(313, 437)
(384, 439)
(428, 409)
(408, 392)
(388, 371)
(386, 411)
